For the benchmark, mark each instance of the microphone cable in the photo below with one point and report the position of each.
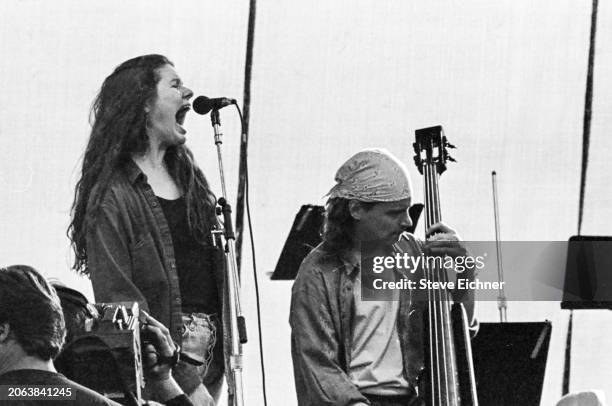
(252, 239)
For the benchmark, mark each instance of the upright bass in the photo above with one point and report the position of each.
(448, 377)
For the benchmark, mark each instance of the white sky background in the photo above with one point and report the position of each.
(506, 79)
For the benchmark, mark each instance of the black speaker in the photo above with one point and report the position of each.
(509, 362)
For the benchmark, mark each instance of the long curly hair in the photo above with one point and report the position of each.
(119, 132)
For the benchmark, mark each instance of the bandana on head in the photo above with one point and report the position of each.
(372, 175)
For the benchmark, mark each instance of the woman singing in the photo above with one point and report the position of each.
(143, 214)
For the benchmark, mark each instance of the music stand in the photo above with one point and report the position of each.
(510, 361)
(305, 234)
(588, 273)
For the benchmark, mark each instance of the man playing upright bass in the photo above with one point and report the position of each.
(347, 351)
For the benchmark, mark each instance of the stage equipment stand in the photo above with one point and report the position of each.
(237, 324)
(586, 137)
(501, 298)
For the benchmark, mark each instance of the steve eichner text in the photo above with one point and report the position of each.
(411, 262)
(423, 284)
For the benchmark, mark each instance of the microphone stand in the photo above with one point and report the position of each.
(237, 324)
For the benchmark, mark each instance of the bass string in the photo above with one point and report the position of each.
(439, 316)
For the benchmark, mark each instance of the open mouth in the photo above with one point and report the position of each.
(181, 113)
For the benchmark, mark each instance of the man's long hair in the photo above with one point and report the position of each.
(338, 228)
(119, 132)
(32, 309)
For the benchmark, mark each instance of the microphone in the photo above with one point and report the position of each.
(202, 104)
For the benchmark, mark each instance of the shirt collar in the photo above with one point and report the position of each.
(351, 260)
(133, 172)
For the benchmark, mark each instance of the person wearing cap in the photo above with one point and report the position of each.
(347, 351)
(157, 353)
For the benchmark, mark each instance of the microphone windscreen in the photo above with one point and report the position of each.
(202, 105)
